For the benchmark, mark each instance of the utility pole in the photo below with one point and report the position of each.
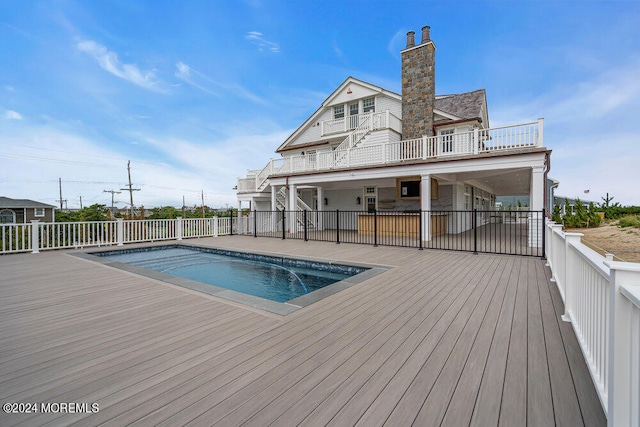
(202, 203)
(130, 189)
(61, 200)
(112, 193)
(80, 202)
(183, 206)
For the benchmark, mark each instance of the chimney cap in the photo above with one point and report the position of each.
(411, 40)
(425, 34)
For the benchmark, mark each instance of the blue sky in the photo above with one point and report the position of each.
(194, 93)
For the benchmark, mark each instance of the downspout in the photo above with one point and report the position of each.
(547, 168)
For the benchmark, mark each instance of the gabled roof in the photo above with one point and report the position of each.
(6, 202)
(468, 105)
(330, 100)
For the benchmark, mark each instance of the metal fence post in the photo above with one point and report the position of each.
(475, 231)
(283, 224)
(420, 229)
(544, 237)
(337, 225)
(304, 219)
(375, 227)
(255, 223)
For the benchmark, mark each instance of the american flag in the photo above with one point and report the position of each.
(586, 191)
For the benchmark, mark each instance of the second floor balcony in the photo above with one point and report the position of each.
(478, 142)
(374, 120)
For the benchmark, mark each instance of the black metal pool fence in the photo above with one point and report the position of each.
(513, 232)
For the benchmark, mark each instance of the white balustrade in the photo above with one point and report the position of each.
(15, 238)
(602, 302)
(39, 236)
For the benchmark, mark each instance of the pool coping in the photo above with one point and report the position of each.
(280, 308)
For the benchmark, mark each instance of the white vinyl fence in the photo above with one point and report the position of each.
(602, 302)
(38, 236)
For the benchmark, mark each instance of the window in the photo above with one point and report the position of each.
(338, 112)
(7, 217)
(369, 105)
(447, 140)
(353, 109)
(38, 212)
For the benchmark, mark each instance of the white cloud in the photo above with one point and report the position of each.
(185, 74)
(109, 61)
(396, 44)
(12, 115)
(87, 167)
(263, 44)
(337, 49)
(199, 80)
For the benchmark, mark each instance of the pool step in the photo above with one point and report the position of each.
(160, 264)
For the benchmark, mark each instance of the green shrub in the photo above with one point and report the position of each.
(629, 221)
(557, 214)
(582, 217)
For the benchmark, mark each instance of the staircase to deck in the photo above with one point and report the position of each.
(281, 203)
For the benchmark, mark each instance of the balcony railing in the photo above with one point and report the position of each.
(377, 120)
(478, 141)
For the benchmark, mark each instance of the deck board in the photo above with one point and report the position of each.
(441, 338)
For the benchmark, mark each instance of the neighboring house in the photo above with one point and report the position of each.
(22, 211)
(368, 148)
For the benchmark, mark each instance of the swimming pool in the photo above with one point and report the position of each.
(261, 280)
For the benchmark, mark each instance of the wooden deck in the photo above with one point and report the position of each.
(442, 338)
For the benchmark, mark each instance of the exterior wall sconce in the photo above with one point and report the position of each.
(357, 200)
(326, 201)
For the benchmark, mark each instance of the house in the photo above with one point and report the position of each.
(369, 149)
(23, 211)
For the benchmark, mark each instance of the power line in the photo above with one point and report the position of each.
(56, 160)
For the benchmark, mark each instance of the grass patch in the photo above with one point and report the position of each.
(629, 221)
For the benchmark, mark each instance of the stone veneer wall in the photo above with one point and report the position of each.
(418, 90)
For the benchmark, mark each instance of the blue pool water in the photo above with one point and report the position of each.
(274, 278)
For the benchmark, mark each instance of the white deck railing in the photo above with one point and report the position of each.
(475, 142)
(602, 302)
(374, 120)
(39, 236)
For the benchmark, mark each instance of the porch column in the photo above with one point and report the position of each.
(536, 196)
(425, 206)
(274, 205)
(274, 210)
(320, 200)
(536, 203)
(239, 229)
(293, 208)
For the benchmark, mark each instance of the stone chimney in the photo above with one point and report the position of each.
(418, 86)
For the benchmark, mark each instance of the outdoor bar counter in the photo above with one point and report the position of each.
(400, 224)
